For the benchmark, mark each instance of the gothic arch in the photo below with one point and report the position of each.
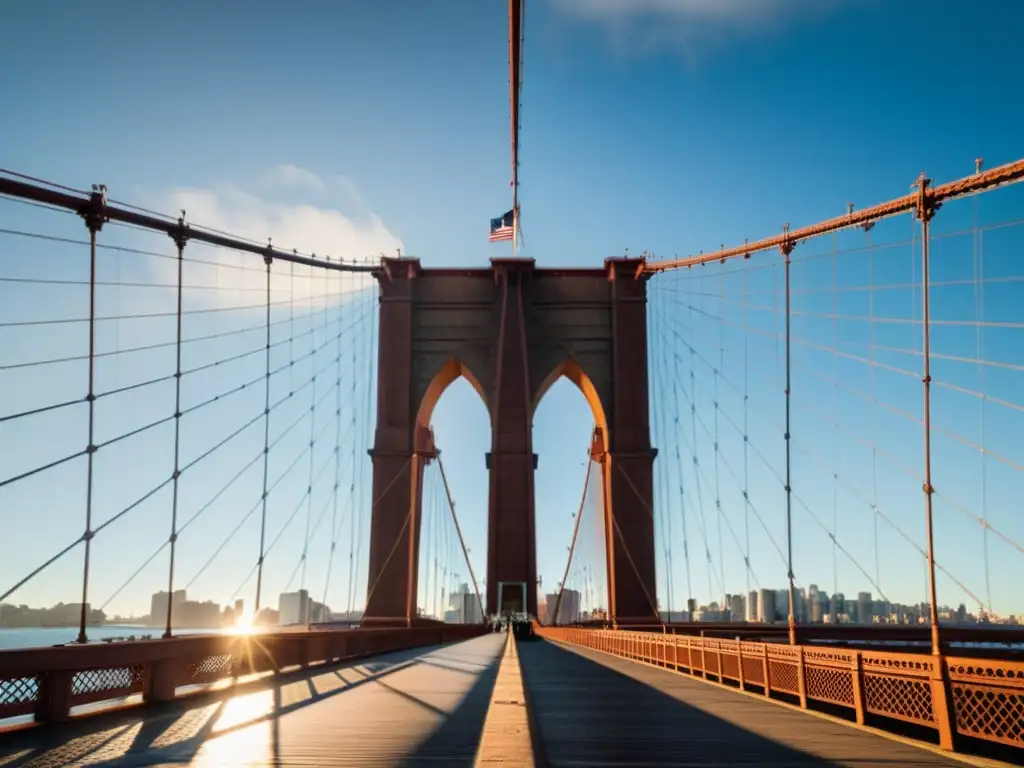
(452, 369)
(572, 370)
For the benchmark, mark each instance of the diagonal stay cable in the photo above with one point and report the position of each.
(223, 489)
(312, 532)
(700, 475)
(572, 544)
(202, 509)
(802, 503)
(308, 495)
(458, 529)
(398, 538)
(151, 425)
(632, 563)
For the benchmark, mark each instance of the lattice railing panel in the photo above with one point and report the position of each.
(988, 698)
(899, 697)
(113, 682)
(829, 684)
(712, 663)
(784, 677)
(991, 713)
(730, 666)
(211, 668)
(660, 651)
(753, 670)
(18, 695)
(683, 655)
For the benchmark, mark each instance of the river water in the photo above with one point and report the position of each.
(35, 637)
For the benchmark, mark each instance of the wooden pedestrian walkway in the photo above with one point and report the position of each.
(485, 701)
(423, 707)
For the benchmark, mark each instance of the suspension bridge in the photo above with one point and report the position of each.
(240, 436)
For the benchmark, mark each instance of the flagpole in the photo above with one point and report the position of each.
(515, 229)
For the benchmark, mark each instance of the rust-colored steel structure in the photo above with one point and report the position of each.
(511, 331)
(981, 181)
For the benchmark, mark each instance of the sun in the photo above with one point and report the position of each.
(243, 625)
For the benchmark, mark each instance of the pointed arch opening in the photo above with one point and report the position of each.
(563, 431)
(452, 369)
(572, 370)
(454, 408)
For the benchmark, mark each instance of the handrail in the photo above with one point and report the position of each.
(96, 204)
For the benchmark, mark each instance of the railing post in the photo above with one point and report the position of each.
(857, 681)
(163, 681)
(766, 669)
(739, 664)
(675, 651)
(942, 698)
(942, 704)
(54, 696)
(703, 657)
(801, 677)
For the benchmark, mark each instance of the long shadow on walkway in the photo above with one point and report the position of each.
(244, 725)
(589, 713)
(456, 741)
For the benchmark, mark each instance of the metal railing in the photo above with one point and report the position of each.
(48, 683)
(955, 696)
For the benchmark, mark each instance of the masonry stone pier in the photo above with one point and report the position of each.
(511, 330)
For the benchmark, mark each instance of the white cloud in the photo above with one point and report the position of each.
(296, 209)
(693, 27)
(293, 176)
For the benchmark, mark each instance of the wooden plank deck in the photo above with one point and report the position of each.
(423, 707)
(594, 709)
(463, 704)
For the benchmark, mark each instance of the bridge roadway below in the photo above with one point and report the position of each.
(428, 707)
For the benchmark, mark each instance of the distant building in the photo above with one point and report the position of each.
(464, 607)
(294, 607)
(568, 611)
(766, 606)
(814, 596)
(865, 608)
(158, 606)
(196, 615)
(737, 609)
(837, 608)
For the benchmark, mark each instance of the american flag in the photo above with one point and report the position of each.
(502, 228)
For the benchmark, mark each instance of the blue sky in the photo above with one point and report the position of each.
(659, 126)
